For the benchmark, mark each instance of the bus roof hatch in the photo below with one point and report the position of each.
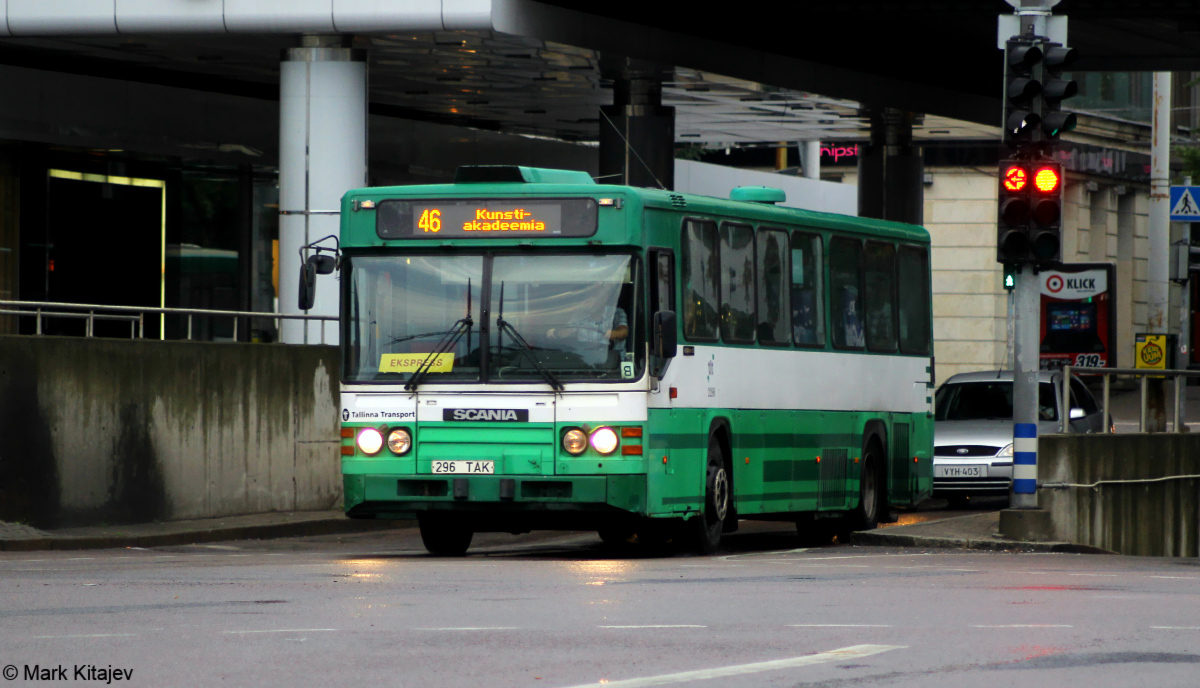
(517, 174)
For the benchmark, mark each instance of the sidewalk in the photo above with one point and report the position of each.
(15, 537)
(973, 531)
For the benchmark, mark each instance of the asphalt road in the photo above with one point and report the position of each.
(559, 610)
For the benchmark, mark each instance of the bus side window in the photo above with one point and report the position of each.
(808, 299)
(662, 271)
(737, 283)
(700, 257)
(845, 290)
(881, 296)
(773, 321)
(914, 300)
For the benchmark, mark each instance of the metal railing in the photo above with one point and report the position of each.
(1108, 374)
(136, 316)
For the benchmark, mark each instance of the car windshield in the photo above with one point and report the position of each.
(549, 317)
(989, 400)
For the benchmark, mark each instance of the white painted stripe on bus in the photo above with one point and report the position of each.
(765, 378)
(840, 654)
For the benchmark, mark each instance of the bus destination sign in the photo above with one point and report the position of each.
(486, 218)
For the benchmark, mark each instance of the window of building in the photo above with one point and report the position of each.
(700, 257)
(774, 326)
(737, 283)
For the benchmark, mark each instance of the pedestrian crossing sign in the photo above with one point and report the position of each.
(1185, 204)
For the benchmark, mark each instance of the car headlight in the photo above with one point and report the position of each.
(1006, 452)
(604, 440)
(399, 441)
(574, 441)
(370, 441)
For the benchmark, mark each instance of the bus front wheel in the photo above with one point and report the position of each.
(708, 526)
(444, 536)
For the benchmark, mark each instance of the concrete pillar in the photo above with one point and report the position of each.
(322, 155)
(891, 170)
(637, 133)
(810, 159)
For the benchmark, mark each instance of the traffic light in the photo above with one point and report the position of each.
(1045, 211)
(1055, 89)
(1013, 243)
(1021, 90)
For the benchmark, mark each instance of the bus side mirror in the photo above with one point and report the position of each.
(666, 340)
(318, 264)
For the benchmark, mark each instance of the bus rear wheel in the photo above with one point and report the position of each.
(708, 526)
(866, 515)
(443, 536)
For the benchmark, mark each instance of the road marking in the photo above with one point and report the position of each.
(284, 630)
(869, 556)
(658, 626)
(851, 652)
(710, 566)
(87, 635)
(471, 628)
(798, 550)
(1105, 575)
(1177, 628)
(1024, 626)
(839, 626)
(1175, 577)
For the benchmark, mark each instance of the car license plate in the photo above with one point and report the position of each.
(969, 471)
(465, 467)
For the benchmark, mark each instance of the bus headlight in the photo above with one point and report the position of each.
(370, 441)
(399, 441)
(604, 440)
(574, 441)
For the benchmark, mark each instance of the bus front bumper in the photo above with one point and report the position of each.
(406, 496)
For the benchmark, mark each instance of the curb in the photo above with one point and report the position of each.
(267, 531)
(988, 544)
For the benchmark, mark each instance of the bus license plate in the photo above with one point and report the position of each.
(974, 471)
(465, 467)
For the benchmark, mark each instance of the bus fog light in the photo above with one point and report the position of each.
(574, 441)
(604, 440)
(399, 441)
(370, 441)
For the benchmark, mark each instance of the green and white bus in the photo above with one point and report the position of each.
(525, 349)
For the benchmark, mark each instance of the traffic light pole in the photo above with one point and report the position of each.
(1027, 331)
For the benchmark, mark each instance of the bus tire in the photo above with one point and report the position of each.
(444, 537)
(866, 515)
(708, 526)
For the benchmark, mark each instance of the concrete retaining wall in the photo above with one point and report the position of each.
(99, 431)
(1145, 518)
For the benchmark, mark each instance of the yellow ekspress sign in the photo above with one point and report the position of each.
(408, 363)
(1150, 351)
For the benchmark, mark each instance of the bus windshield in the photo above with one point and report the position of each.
(567, 317)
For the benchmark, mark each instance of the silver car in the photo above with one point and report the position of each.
(973, 429)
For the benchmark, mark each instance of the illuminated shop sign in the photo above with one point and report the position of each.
(486, 218)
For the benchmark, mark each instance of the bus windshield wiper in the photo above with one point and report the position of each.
(448, 342)
(506, 327)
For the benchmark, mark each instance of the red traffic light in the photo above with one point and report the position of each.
(1015, 178)
(1047, 180)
